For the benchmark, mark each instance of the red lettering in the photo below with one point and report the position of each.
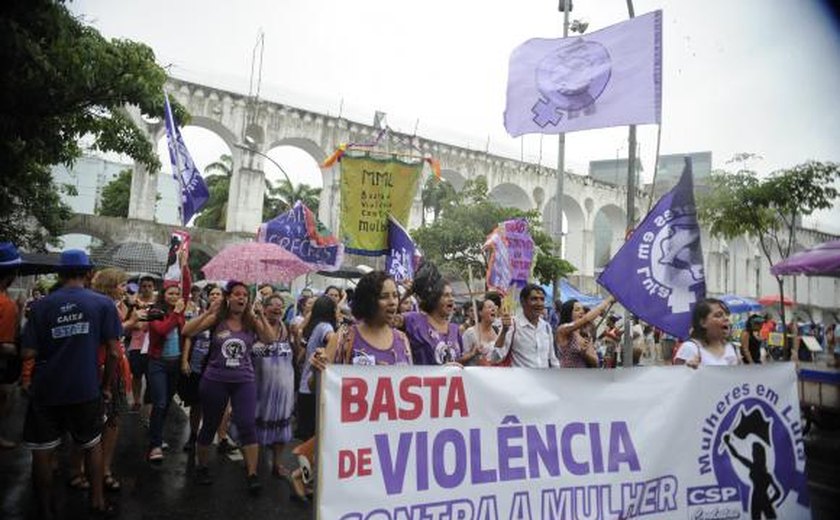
(365, 462)
(353, 403)
(409, 397)
(456, 399)
(435, 384)
(346, 463)
(383, 400)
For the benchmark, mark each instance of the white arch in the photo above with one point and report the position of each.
(574, 243)
(511, 195)
(608, 230)
(454, 178)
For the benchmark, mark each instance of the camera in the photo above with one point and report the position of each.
(154, 314)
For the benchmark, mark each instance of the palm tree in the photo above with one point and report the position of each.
(435, 196)
(217, 176)
(282, 197)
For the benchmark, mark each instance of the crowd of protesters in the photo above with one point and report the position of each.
(97, 348)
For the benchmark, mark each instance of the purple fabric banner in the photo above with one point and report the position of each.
(658, 273)
(403, 255)
(194, 192)
(610, 77)
(296, 232)
(511, 254)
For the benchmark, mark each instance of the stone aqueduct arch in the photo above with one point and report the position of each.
(233, 116)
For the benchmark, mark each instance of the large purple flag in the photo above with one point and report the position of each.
(403, 255)
(297, 232)
(194, 192)
(658, 273)
(610, 77)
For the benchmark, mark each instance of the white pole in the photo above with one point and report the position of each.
(176, 133)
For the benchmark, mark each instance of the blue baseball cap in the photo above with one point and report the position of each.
(75, 259)
(9, 256)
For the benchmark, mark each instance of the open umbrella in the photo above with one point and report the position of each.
(774, 299)
(255, 262)
(133, 257)
(739, 304)
(820, 260)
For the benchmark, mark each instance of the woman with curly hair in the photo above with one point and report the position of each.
(434, 339)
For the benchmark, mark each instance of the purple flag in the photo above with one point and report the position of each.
(403, 255)
(658, 273)
(610, 77)
(194, 192)
(296, 231)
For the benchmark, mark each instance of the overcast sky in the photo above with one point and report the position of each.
(759, 76)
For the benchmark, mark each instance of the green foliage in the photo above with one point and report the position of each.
(63, 81)
(436, 195)
(281, 198)
(115, 196)
(454, 240)
(217, 176)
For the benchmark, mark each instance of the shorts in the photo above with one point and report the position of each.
(188, 389)
(138, 363)
(46, 425)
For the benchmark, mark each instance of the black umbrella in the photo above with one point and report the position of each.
(39, 263)
(346, 273)
(136, 257)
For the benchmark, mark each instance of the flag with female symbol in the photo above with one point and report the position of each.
(194, 192)
(610, 77)
(403, 256)
(658, 273)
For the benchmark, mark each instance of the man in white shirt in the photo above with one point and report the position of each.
(528, 338)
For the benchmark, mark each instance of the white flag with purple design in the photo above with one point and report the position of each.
(610, 77)
(194, 192)
(658, 273)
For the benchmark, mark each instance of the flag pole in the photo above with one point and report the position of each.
(627, 346)
(178, 176)
(561, 169)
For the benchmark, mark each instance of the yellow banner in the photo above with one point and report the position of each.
(370, 190)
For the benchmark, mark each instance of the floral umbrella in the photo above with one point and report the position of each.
(256, 262)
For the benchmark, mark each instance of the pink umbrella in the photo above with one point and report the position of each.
(255, 262)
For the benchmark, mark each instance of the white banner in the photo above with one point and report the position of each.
(505, 443)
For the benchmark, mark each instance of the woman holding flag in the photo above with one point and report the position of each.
(575, 347)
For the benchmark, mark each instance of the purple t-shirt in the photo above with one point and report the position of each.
(66, 329)
(365, 354)
(230, 356)
(428, 346)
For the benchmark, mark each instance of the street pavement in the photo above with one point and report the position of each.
(151, 493)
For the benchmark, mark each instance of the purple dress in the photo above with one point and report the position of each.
(428, 346)
(275, 391)
(365, 354)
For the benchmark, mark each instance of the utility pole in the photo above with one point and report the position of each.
(565, 6)
(627, 347)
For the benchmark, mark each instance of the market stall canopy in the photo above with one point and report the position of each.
(820, 260)
(739, 304)
(568, 292)
(775, 299)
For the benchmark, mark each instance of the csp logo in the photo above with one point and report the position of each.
(753, 458)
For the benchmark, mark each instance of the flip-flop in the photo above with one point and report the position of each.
(298, 489)
(78, 482)
(111, 484)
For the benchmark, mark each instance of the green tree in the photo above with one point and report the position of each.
(217, 176)
(768, 210)
(63, 81)
(282, 197)
(435, 196)
(115, 196)
(454, 240)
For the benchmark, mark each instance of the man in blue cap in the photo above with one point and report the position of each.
(63, 334)
(9, 359)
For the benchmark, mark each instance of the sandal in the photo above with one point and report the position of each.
(280, 471)
(298, 487)
(111, 484)
(109, 511)
(78, 482)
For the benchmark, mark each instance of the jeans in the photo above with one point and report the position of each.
(162, 377)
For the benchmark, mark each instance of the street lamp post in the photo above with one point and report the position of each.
(257, 152)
